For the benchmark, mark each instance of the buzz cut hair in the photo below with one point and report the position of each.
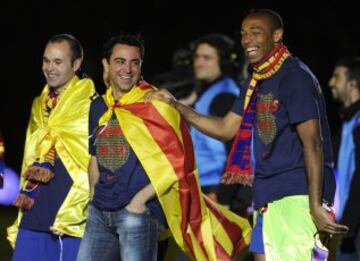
(274, 17)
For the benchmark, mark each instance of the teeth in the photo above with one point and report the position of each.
(251, 49)
(126, 77)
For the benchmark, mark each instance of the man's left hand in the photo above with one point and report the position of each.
(324, 223)
(136, 206)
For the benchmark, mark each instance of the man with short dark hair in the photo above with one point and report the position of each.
(282, 146)
(345, 87)
(54, 182)
(143, 176)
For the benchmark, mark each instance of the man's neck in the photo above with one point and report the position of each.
(117, 93)
(60, 89)
(268, 55)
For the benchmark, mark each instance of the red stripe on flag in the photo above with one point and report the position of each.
(220, 252)
(168, 141)
(232, 229)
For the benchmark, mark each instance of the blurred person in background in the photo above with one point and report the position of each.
(345, 87)
(213, 65)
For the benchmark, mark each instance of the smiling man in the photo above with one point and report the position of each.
(282, 145)
(143, 175)
(54, 188)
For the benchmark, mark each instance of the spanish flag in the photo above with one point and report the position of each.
(160, 139)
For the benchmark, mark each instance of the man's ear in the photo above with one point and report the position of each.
(105, 72)
(105, 64)
(77, 64)
(278, 35)
(353, 84)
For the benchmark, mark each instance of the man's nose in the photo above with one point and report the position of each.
(127, 67)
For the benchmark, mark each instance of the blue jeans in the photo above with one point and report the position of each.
(110, 235)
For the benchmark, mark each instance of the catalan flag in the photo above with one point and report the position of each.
(159, 137)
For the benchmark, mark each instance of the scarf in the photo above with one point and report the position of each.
(161, 141)
(238, 166)
(41, 171)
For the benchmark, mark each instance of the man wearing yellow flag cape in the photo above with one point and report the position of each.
(54, 182)
(143, 175)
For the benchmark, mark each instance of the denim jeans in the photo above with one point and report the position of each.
(119, 234)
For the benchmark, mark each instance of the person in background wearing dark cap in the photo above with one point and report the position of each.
(282, 146)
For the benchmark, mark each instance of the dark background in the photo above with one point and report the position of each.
(318, 32)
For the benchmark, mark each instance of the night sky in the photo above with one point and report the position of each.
(318, 32)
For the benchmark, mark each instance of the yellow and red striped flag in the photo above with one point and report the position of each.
(160, 139)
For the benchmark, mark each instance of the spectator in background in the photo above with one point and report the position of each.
(345, 87)
(206, 82)
(215, 92)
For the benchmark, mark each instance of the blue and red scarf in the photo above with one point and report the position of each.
(238, 166)
(40, 171)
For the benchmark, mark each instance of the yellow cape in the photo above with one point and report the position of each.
(66, 130)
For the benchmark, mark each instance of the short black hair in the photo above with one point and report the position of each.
(352, 64)
(129, 39)
(76, 48)
(225, 48)
(275, 18)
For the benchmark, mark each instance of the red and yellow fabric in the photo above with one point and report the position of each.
(161, 141)
(67, 130)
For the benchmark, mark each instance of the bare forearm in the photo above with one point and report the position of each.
(94, 174)
(310, 135)
(313, 156)
(219, 128)
(216, 127)
(145, 194)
